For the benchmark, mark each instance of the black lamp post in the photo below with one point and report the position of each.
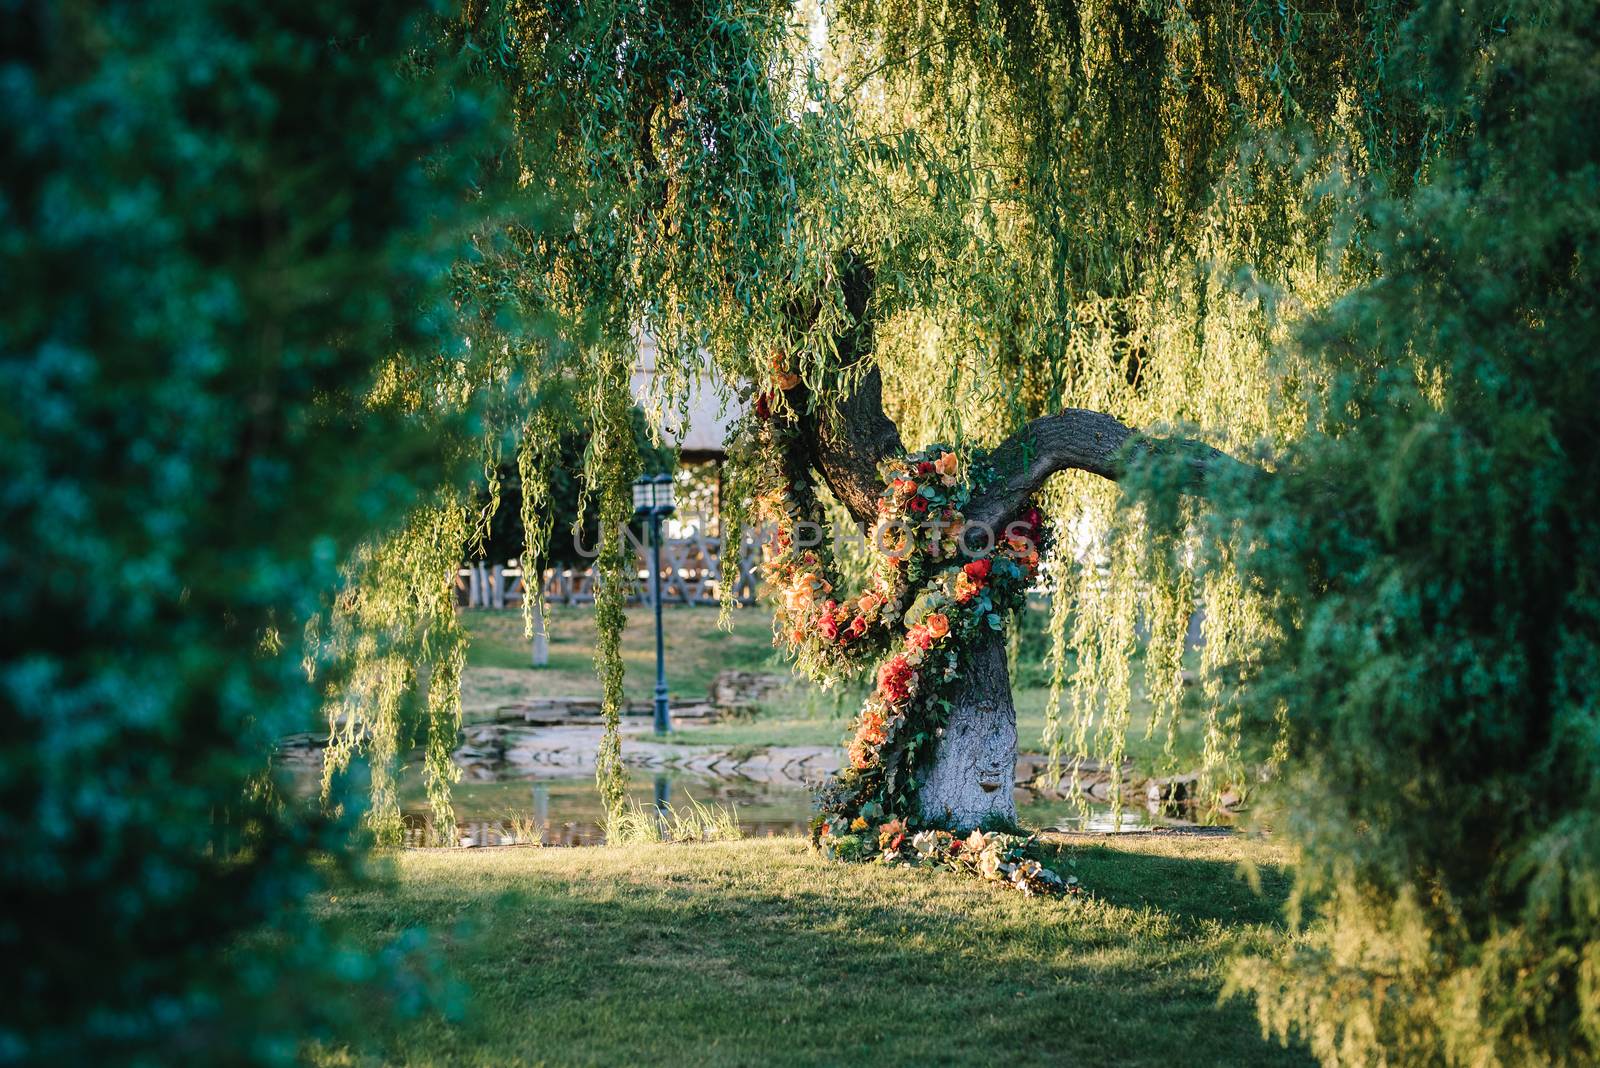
(652, 500)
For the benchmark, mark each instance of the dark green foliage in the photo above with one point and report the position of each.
(217, 224)
(1432, 553)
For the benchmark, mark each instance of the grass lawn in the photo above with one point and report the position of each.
(499, 672)
(499, 665)
(759, 952)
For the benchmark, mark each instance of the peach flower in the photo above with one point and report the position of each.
(782, 377)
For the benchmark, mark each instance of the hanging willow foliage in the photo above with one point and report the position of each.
(612, 463)
(687, 171)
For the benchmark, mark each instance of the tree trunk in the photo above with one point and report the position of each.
(969, 781)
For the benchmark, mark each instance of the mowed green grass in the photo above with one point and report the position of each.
(760, 952)
(499, 658)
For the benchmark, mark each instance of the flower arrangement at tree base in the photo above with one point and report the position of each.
(1008, 859)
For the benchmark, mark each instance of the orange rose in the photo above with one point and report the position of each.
(938, 624)
(946, 463)
(870, 601)
(781, 375)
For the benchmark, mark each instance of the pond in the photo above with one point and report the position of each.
(566, 811)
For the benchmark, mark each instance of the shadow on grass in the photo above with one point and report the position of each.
(1189, 890)
(683, 961)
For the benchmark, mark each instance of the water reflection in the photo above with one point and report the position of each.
(568, 812)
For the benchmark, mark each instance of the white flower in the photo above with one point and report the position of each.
(989, 865)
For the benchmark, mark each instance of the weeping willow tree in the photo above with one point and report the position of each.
(1357, 246)
(1119, 207)
(1114, 209)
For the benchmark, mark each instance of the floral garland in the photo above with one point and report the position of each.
(920, 518)
(930, 589)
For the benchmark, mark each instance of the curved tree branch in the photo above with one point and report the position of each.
(1079, 439)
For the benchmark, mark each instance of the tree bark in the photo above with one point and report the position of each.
(970, 780)
(847, 445)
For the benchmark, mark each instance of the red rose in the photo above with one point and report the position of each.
(894, 679)
(978, 570)
(858, 626)
(919, 503)
(924, 468)
(828, 628)
(764, 405)
(955, 845)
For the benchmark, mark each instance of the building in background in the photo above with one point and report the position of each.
(691, 554)
(699, 433)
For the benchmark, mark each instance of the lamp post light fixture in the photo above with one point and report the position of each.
(653, 501)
